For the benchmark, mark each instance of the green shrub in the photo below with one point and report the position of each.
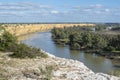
(8, 42)
(24, 51)
(75, 46)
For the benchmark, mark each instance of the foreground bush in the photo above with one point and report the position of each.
(9, 43)
(24, 51)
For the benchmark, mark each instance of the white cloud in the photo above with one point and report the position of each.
(36, 10)
(98, 12)
(12, 13)
(97, 6)
(32, 9)
(87, 10)
(23, 6)
(24, 9)
(107, 10)
(54, 12)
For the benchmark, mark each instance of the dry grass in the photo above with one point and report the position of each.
(18, 69)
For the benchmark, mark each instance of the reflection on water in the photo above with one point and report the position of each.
(24, 37)
(96, 63)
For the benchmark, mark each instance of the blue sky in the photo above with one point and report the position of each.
(59, 11)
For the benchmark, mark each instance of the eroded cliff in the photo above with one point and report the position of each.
(21, 29)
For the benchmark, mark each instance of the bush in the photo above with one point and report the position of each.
(75, 46)
(109, 48)
(24, 51)
(8, 42)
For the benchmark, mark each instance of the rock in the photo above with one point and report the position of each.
(50, 55)
(72, 75)
(106, 76)
(35, 69)
(57, 73)
(75, 70)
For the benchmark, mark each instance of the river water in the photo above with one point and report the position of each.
(44, 41)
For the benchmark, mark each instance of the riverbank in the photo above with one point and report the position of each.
(63, 69)
(107, 54)
(84, 38)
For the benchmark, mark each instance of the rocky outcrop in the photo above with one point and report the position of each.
(21, 29)
(74, 70)
(30, 69)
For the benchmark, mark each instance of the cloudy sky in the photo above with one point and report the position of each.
(59, 11)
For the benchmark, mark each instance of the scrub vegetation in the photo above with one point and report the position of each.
(89, 38)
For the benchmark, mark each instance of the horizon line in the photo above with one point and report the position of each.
(58, 22)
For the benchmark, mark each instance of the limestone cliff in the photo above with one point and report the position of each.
(34, 69)
(20, 29)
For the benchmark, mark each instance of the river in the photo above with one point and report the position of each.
(44, 41)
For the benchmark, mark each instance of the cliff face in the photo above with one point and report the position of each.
(21, 29)
(34, 69)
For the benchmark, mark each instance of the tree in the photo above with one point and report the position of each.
(99, 42)
(87, 38)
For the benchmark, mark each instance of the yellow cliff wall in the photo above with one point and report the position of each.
(21, 29)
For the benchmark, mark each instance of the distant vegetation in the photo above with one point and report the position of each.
(9, 43)
(88, 38)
